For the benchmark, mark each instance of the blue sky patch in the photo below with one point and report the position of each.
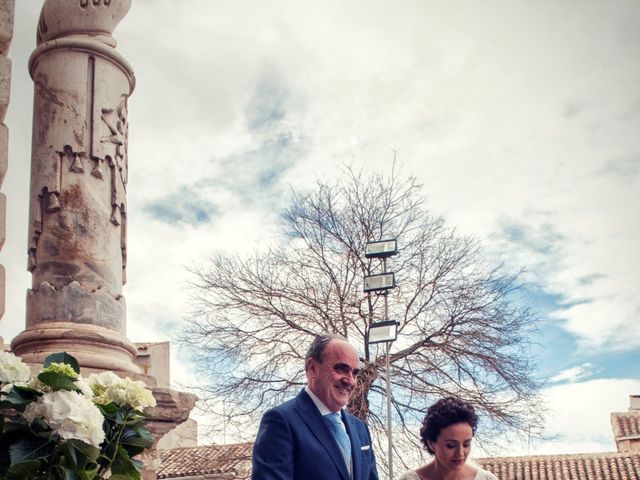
(184, 206)
(266, 107)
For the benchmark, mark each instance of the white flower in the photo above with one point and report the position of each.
(13, 369)
(70, 415)
(108, 387)
(84, 387)
(103, 380)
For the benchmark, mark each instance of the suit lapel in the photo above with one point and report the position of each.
(312, 418)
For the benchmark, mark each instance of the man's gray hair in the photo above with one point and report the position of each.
(316, 349)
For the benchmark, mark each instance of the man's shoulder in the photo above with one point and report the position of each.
(289, 405)
(285, 406)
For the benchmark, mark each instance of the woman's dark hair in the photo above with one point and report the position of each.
(446, 411)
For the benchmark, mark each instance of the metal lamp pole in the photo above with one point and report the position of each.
(389, 436)
(385, 331)
(388, 377)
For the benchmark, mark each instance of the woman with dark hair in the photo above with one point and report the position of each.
(447, 432)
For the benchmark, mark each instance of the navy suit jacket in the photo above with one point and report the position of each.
(294, 443)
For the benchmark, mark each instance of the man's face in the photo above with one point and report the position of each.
(333, 380)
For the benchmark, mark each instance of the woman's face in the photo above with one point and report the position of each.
(452, 446)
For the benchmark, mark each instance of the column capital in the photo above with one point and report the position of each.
(93, 18)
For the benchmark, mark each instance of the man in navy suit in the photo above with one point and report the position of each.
(295, 442)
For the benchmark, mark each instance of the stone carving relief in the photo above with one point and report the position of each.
(115, 121)
(48, 198)
(104, 132)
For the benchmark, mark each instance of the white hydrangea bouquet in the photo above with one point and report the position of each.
(61, 426)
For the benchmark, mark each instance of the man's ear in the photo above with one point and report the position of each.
(312, 365)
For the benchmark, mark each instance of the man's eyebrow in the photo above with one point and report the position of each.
(345, 366)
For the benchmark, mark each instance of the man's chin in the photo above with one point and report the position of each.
(341, 402)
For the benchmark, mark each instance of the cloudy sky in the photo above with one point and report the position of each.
(521, 119)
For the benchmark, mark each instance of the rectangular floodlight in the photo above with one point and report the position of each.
(386, 331)
(382, 281)
(381, 249)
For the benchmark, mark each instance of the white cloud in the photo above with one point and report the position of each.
(578, 421)
(579, 417)
(574, 374)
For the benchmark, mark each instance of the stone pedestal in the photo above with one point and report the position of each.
(172, 409)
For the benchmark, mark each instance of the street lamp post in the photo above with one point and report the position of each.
(385, 331)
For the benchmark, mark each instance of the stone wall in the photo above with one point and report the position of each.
(6, 34)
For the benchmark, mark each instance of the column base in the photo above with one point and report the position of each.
(93, 346)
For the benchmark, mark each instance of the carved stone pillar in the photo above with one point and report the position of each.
(6, 34)
(78, 213)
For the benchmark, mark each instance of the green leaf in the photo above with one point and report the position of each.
(12, 433)
(138, 437)
(30, 448)
(72, 475)
(91, 472)
(23, 471)
(80, 453)
(62, 357)
(19, 396)
(109, 410)
(57, 381)
(38, 425)
(123, 465)
(79, 474)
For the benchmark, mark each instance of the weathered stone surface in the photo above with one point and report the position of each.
(3, 221)
(7, 9)
(94, 18)
(2, 298)
(74, 303)
(172, 409)
(78, 214)
(5, 85)
(78, 168)
(94, 347)
(4, 151)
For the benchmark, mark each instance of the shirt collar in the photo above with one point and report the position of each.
(318, 403)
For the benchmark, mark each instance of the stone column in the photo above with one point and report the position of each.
(78, 213)
(6, 34)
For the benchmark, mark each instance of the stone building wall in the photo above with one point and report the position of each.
(6, 34)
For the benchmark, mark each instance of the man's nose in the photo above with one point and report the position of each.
(352, 376)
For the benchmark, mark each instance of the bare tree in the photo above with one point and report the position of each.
(463, 329)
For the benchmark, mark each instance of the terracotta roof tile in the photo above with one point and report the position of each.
(209, 459)
(235, 460)
(626, 424)
(586, 466)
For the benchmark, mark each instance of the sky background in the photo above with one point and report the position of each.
(521, 120)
